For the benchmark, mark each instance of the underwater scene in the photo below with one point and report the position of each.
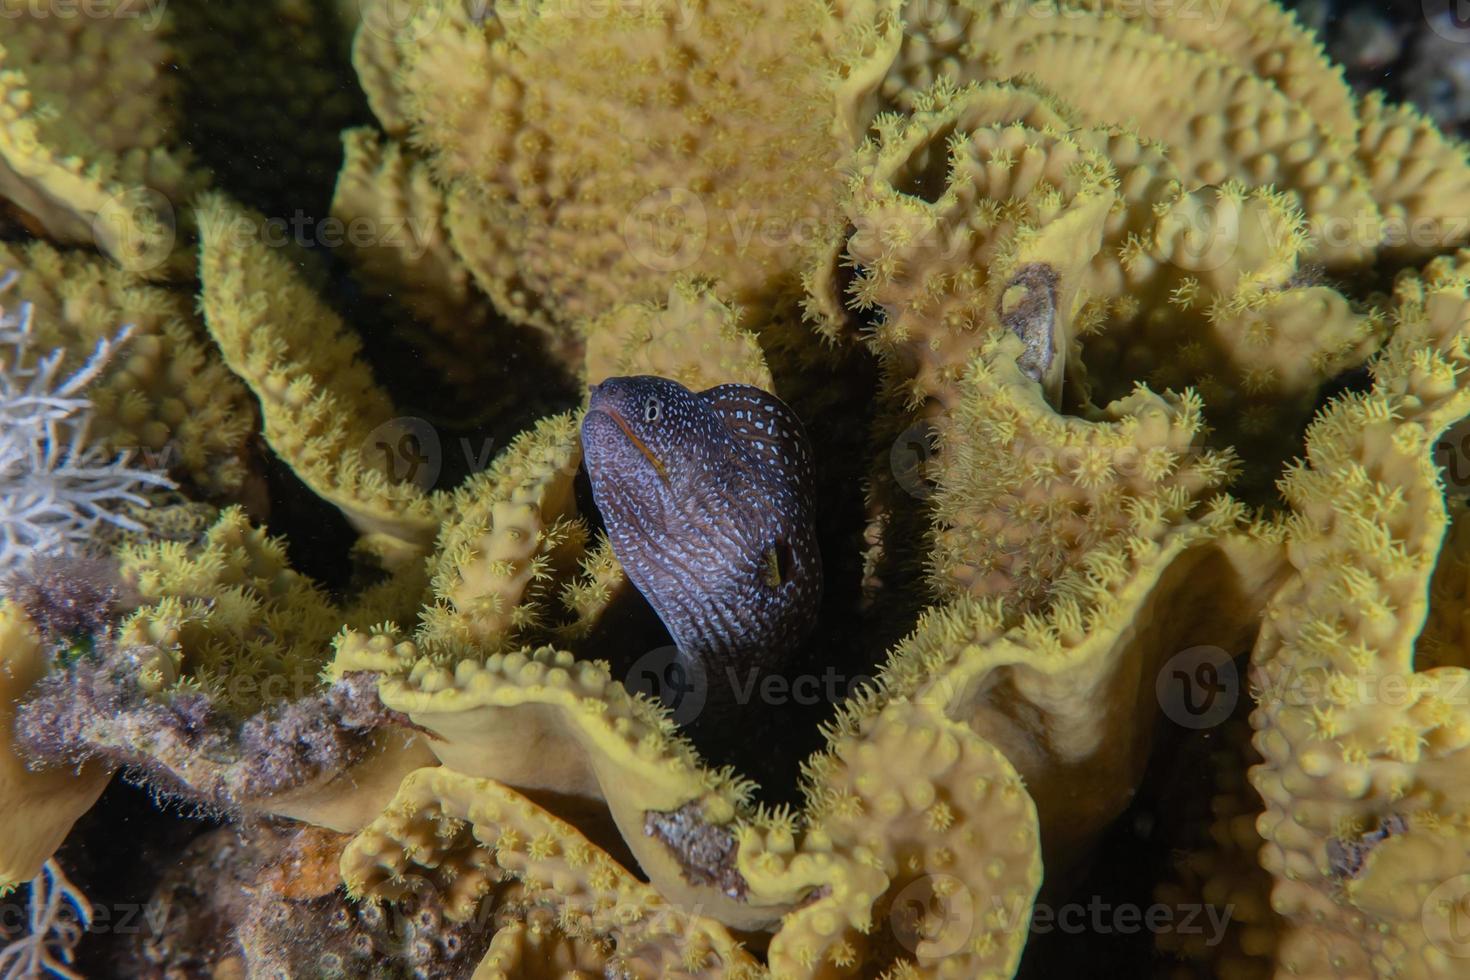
(741, 489)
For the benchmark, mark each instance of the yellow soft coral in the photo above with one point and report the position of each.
(1027, 498)
(1219, 119)
(1261, 38)
(324, 415)
(376, 59)
(692, 337)
(534, 948)
(974, 211)
(1082, 262)
(922, 845)
(868, 854)
(389, 217)
(1215, 294)
(239, 622)
(88, 113)
(1364, 752)
(590, 162)
(513, 526)
(602, 752)
(984, 208)
(617, 756)
(1066, 548)
(1248, 97)
(211, 686)
(438, 811)
(1420, 177)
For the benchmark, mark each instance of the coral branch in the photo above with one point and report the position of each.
(55, 488)
(59, 915)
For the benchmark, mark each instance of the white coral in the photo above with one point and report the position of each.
(55, 488)
(60, 913)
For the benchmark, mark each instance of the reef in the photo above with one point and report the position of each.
(1131, 345)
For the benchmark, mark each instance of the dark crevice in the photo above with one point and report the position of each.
(925, 174)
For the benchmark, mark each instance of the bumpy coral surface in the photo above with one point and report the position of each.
(1363, 822)
(590, 167)
(89, 152)
(1127, 341)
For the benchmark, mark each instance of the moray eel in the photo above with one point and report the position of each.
(707, 499)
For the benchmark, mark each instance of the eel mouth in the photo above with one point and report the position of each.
(639, 444)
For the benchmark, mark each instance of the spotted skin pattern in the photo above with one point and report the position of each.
(707, 498)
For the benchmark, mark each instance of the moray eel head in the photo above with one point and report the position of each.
(652, 431)
(707, 500)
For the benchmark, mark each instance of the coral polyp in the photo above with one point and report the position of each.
(1087, 373)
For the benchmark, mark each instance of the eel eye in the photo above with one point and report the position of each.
(651, 410)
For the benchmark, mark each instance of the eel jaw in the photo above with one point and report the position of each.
(639, 444)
